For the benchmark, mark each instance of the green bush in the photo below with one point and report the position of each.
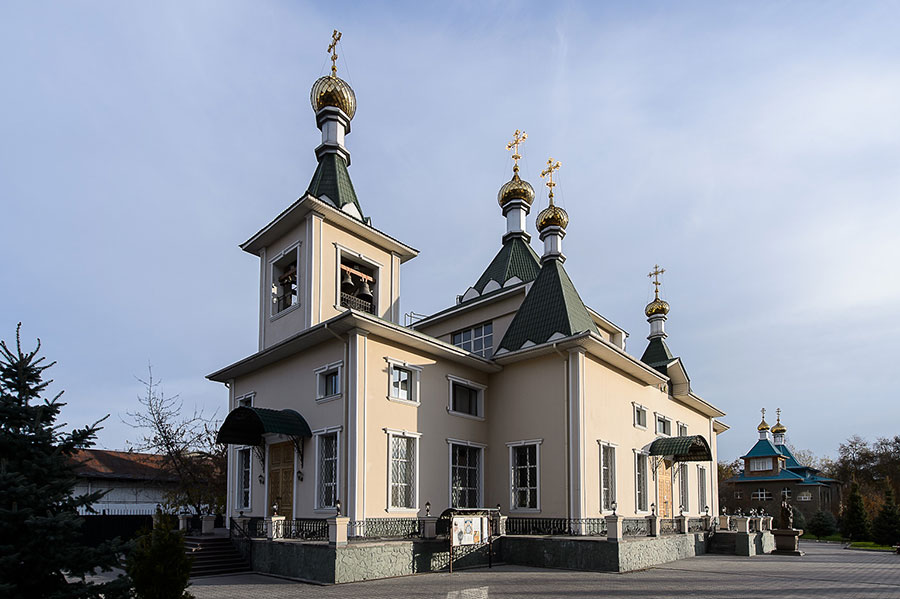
(886, 527)
(158, 565)
(822, 524)
(799, 519)
(855, 520)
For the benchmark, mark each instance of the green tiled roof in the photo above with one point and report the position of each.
(791, 461)
(246, 426)
(332, 179)
(551, 306)
(515, 259)
(763, 448)
(657, 354)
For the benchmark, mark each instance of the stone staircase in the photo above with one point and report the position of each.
(722, 543)
(214, 555)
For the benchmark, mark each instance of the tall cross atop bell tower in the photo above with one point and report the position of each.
(548, 172)
(518, 138)
(654, 274)
(335, 38)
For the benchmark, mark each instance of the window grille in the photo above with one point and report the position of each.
(525, 477)
(478, 340)
(607, 476)
(403, 469)
(328, 470)
(465, 484)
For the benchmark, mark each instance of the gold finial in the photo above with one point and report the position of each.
(779, 429)
(518, 137)
(548, 172)
(763, 425)
(654, 274)
(335, 38)
(763, 412)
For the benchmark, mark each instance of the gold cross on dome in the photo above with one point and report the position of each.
(518, 137)
(335, 38)
(548, 172)
(763, 413)
(654, 274)
(778, 414)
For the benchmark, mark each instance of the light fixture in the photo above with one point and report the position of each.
(337, 507)
(614, 506)
(300, 475)
(706, 509)
(427, 508)
(653, 509)
(262, 479)
(681, 510)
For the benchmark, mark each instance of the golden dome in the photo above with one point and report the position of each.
(516, 189)
(551, 216)
(657, 306)
(779, 429)
(331, 90)
(763, 425)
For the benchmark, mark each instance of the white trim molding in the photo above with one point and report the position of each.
(415, 377)
(321, 371)
(483, 449)
(635, 406)
(337, 429)
(511, 445)
(404, 434)
(480, 409)
(614, 483)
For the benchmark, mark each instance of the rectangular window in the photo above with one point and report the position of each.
(758, 464)
(761, 495)
(804, 496)
(786, 493)
(285, 269)
(358, 287)
(478, 340)
(663, 425)
(465, 475)
(243, 458)
(683, 495)
(682, 430)
(701, 480)
(640, 416)
(640, 481)
(400, 383)
(607, 477)
(328, 470)
(524, 476)
(328, 380)
(466, 398)
(403, 471)
(244, 401)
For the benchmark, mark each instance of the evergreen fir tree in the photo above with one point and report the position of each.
(886, 527)
(799, 519)
(822, 524)
(855, 522)
(41, 550)
(158, 564)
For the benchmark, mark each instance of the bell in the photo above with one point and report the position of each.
(347, 285)
(364, 293)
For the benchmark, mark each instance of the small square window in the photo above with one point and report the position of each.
(328, 381)
(464, 400)
(663, 425)
(401, 381)
(682, 430)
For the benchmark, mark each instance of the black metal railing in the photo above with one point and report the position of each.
(309, 529)
(635, 527)
(667, 526)
(695, 525)
(556, 526)
(732, 524)
(385, 528)
(284, 301)
(350, 301)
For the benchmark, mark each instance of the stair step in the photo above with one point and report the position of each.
(214, 555)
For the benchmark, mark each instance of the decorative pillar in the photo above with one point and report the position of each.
(337, 530)
(613, 528)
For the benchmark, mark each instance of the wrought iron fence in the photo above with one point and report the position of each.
(635, 527)
(556, 526)
(732, 524)
(350, 301)
(695, 525)
(310, 529)
(667, 526)
(385, 528)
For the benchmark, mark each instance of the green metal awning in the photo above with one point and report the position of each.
(682, 449)
(246, 426)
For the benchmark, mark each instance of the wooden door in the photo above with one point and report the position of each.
(281, 479)
(664, 482)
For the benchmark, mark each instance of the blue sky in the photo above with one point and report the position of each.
(749, 148)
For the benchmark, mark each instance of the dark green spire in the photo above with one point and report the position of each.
(332, 179)
(515, 259)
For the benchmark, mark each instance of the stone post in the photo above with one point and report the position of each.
(706, 521)
(275, 529)
(429, 526)
(742, 524)
(613, 528)
(207, 524)
(723, 522)
(767, 522)
(337, 530)
(682, 524)
(653, 525)
(184, 522)
(501, 528)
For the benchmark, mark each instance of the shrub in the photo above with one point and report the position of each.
(158, 565)
(822, 524)
(855, 520)
(886, 527)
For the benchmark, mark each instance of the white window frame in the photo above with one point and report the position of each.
(483, 448)
(391, 433)
(703, 486)
(239, 499)
(321, 372)
(684, 494)
(512, 488)
(295, 248)
(471, 329)
(638, 456)
(414, 381)
(804, 496)
(656, 418)
(760, 464)
(634, 415)
(341, 251)
(766, 495)
(330, 509)
(245, 401)
(786, 492)
(681, 428)
(451, 380)
(613, 482)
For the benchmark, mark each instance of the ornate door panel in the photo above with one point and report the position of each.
(664, 482)
(281, 479)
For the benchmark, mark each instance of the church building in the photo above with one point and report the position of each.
(518, 394)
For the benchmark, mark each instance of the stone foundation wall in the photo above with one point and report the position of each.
(754, 543)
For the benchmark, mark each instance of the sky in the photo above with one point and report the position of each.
(750, 148)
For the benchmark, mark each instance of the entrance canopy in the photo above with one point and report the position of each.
(246, 426)
(682, 449)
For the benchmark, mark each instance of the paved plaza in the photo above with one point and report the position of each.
(825, 571)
